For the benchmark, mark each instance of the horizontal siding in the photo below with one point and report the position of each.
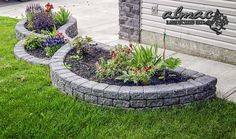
(200, 33)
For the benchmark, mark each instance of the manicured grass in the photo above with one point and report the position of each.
(30, 107)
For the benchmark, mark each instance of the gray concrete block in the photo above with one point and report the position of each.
(105, 101)
(98, 90)
(89, 98)
(171, 101)
(86, 87)
(121, 103)
(155, 103)
(186, 99)
(112, 91)
(136, 92)
(138, 103)
(124, 93)
(150, 92)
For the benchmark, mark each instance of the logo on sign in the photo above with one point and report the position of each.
(215, 20)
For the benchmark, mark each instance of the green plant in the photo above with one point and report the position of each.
(33, 42)
(80, 44)
(106, 68)
(137, 75)
(51, 50)
(119, 62)
(29, 18)
(144, 56)
(62, 16)
(52, 33)
(138, 64)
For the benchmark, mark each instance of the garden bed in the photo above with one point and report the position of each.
(197, 87)
(86, 68)
(39, 19)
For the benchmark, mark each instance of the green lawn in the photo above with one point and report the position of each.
(30, 107)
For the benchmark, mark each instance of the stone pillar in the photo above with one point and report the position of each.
(129, 20)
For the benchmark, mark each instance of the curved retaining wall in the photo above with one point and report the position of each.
(200, 87)
(69, 30)
(20, 53)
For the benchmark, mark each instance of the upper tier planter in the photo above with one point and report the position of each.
(69, 30)
(198, 87)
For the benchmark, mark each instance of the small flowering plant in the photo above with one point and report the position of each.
(120, 58)
(48, 7)
(53, 43)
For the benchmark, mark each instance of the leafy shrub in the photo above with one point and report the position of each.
(62, 16)
(120, 60)
(136, 65)
(106, 68)
(42, 21)
(144, 61)
(33, 42)
(80, 44)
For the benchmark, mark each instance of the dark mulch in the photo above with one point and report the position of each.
(85, 68)
(39, 52)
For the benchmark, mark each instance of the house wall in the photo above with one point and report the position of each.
(197, 40)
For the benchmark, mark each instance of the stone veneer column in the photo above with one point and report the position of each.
(129, 20)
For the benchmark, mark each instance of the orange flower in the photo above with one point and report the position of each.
(48, 7)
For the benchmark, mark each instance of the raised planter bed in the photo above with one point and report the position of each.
(70, 29)
(197, 87)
